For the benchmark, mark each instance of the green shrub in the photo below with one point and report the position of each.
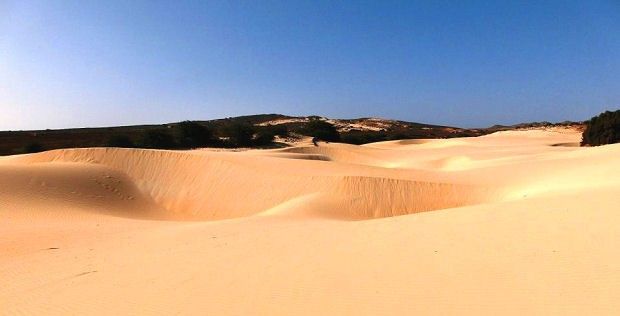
(602, 129)
(33, 147)
(362, 137)
(122, 141)
(158, 139)
(263, 137)
(279, 130)
(321, 130)
(240, 134)
(192, 135)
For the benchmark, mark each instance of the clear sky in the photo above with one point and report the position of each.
(464, 63)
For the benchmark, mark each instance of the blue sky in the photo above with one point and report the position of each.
(462, 63)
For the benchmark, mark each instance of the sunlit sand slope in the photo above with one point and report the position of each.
(510, 223)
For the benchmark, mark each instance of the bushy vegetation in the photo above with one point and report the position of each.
(321, 130)
(602, 129)
(239, 134)
(263, 137)
(277, 130)
(33, 147)
(158, 139)
(122, 141)
(193, 135)
(363, 137)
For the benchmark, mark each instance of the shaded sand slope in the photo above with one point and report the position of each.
(64, 187)
(512, 225)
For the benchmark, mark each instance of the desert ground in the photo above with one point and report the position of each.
(513, 222)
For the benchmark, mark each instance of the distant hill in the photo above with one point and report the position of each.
(536, 125)
(354, 131)
(368, 129)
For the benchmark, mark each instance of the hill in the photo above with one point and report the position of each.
(355, 131)
(291, 128)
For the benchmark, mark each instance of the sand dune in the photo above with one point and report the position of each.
(506, 223)
(204, 185)
(52, 187)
